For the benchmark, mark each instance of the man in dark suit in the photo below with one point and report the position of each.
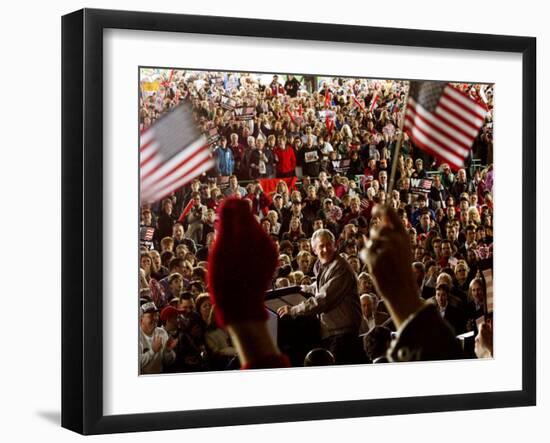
(419, 270)
(371, 316)
(454, 316)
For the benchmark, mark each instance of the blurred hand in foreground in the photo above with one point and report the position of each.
(241, 265)
(389, 258)
(483, 347)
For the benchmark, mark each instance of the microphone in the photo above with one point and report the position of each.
(284, 271)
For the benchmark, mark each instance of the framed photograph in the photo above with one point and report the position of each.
(417, 112)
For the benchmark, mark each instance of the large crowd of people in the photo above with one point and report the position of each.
(313, 159)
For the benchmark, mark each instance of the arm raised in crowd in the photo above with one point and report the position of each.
(421, 332)
(241, 265)
(389, 261)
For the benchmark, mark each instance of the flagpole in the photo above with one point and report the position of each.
(398, 144)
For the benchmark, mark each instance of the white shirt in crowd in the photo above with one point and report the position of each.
(151, 362)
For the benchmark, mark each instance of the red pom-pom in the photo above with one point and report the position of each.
(241, 264)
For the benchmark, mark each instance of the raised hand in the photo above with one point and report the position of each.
(483, 347)
(389, 259)
(241, 265)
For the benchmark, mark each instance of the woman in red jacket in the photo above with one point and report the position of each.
(285, 159)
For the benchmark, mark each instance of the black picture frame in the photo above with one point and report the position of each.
(82, 230)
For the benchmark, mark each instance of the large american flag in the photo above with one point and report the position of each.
(443, 121)
(172, 153)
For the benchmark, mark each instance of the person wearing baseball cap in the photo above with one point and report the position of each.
(169, 318)
(156, 348)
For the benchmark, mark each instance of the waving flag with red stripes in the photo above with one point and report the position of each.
(373, 102)
(358, 103)
(172, 153)
(443, 121)
(327, 98)
(287, 109)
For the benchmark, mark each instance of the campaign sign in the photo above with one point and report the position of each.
(420, 186)
(212, 136)
(341, 166)
(245, 113)
(228, 102)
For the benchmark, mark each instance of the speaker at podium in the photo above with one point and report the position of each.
(294, 336)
